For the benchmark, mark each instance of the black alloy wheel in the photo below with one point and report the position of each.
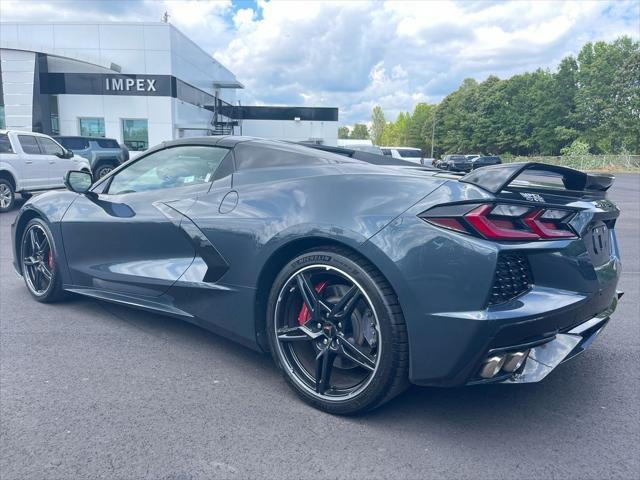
(38, 262)
(335, 328)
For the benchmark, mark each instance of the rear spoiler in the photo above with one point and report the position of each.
(496, 177)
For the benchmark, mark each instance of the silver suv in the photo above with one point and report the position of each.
(104, 154)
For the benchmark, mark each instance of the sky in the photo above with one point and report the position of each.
(357, 54)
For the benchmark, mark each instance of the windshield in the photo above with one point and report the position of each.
(410, 153)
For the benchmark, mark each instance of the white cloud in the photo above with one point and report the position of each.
(357, 54)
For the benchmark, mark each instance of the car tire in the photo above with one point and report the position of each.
(375, 326)
(7, 195)
(33, 259)
(103, 169)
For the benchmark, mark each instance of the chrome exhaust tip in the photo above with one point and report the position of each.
(492, 366)
(514, 361)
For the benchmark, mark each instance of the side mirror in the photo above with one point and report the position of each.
(65, 154)
(78, 181)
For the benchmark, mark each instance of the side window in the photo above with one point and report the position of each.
(74, 143)
(49, 147)
(263, 155)
(5, 144)
(169, 168)
(29, 144)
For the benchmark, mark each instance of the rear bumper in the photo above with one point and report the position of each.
(546, 355)
(555, 326)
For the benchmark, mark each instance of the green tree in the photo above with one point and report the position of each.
(378, 124)
(359, 132)
(601, 110)
(343, 132)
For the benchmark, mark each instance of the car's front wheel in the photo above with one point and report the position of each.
(39, 262)
(336, 330)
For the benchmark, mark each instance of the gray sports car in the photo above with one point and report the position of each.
(358, 276)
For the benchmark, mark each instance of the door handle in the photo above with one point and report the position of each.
(28, 162)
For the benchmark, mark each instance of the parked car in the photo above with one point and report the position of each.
(358, 278)
(405, 153)
(374, 158)
(104, 154)
(31, 162)
(485, 160)
(456, 163)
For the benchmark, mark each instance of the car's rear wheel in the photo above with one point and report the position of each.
(7, 195)
(39, 262)
(336, 330)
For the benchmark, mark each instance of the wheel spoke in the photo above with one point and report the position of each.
(347, 304)
(46, 273)
(324, 365)
(297, 334)
(310, 296)
(28, 261)
(353, 353)
(32, 240)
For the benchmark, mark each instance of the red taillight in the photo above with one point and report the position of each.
(504, 222)
(546, 229)
(498, 228)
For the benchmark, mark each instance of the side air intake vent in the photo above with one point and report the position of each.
(513, 277)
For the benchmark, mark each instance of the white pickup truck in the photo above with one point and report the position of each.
(30, 162)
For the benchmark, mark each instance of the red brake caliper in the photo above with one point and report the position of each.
(304, 316)
(50, 259)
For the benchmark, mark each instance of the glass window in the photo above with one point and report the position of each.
(92, 127)
(55, 118)
(169, 168)
(73, 143)
(49, 147)
(107, 143)
(29, 144)
(249, 155)
(5, 144)
(135, 134)
(3, 123)
(407, 153)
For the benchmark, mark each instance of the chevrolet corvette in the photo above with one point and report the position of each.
(359, 277)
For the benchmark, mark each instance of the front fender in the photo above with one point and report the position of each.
(51, 207)
(7, 167)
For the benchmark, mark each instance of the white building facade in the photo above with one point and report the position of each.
(140, 83)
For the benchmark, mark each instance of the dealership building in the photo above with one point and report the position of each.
(140, 83)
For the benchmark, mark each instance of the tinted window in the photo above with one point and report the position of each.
(262, 155)
(5, 144)
(107, 143)
(168, 168)
(410, 153)
(386, 151)
(29, 144)
(73, 143)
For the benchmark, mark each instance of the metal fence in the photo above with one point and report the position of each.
(587, 162)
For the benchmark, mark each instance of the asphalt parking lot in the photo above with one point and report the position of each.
(94, 390)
